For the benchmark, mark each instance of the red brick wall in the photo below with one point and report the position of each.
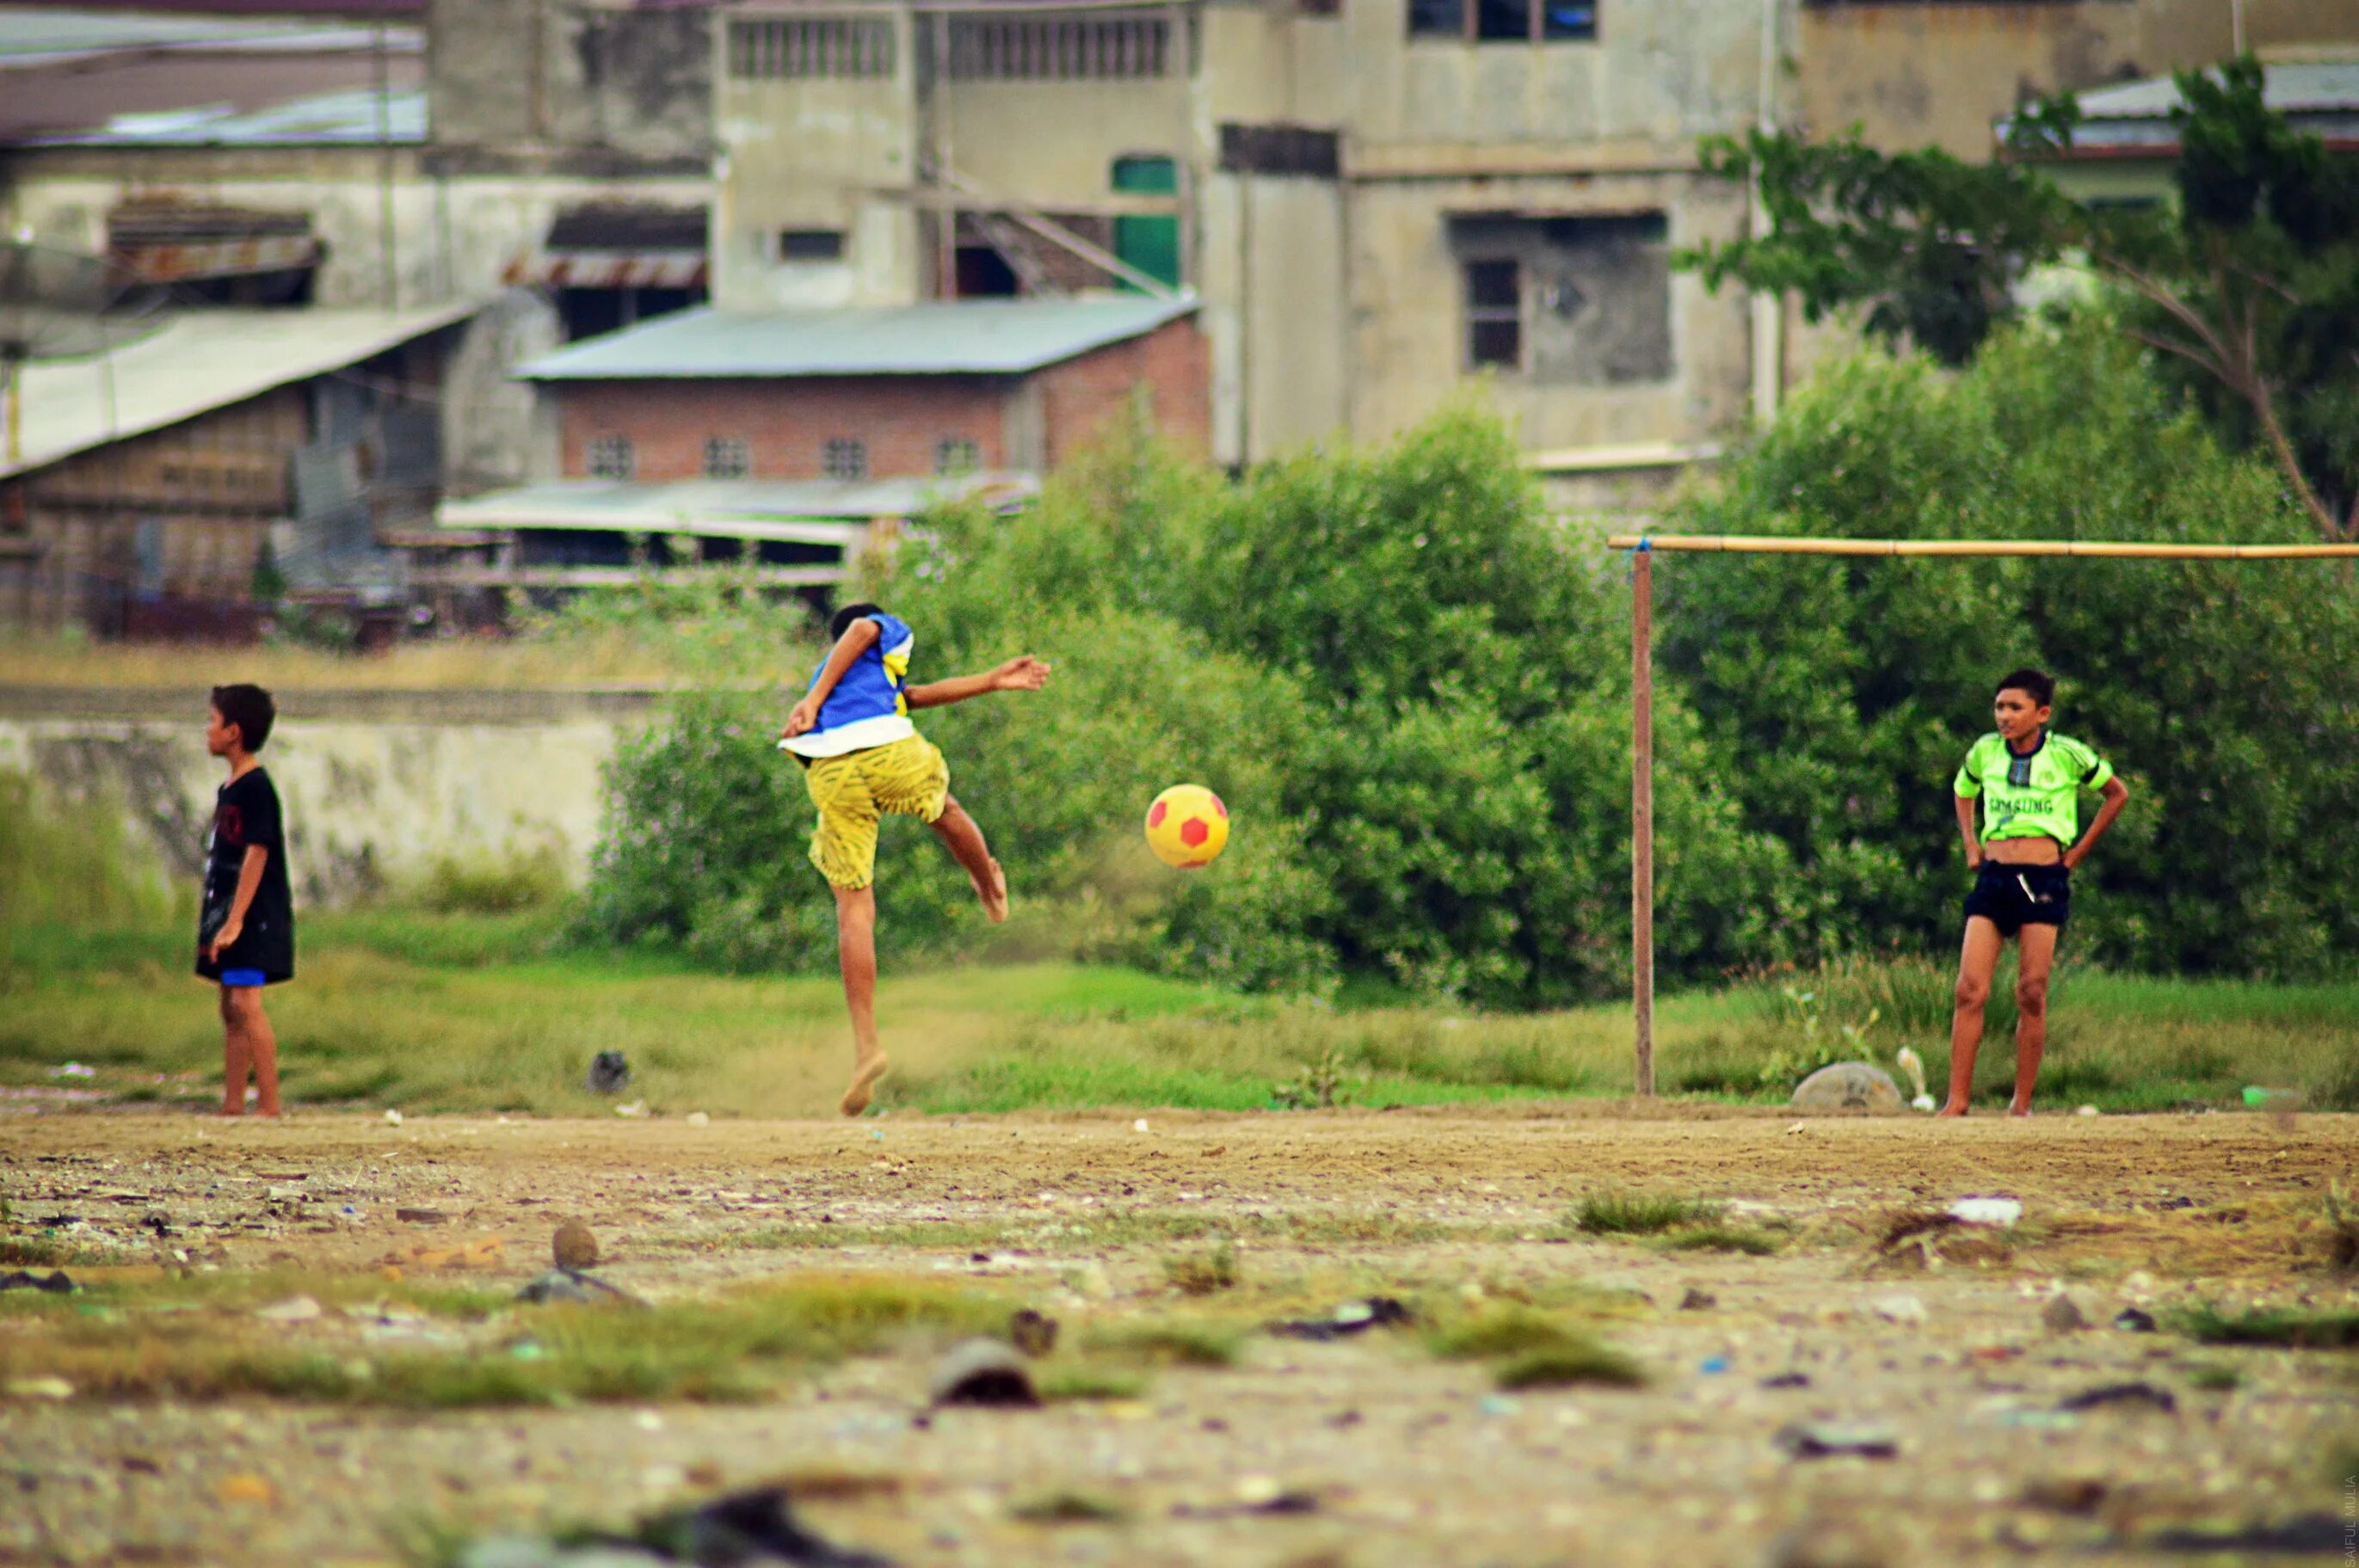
(1174, 360)
(786, 423)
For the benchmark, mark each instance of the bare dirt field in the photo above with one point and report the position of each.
(1367, 1451)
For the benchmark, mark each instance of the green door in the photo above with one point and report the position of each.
(1151, 244)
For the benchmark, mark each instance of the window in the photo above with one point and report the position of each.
(843, 457)
(773, 48)
(727, 457)
(1579, 300)
(955, 457)
(611, 457)
(1494, 314)
(1505, 21)
(811, 245)
(989, 49)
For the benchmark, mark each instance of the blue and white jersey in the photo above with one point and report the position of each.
(867, 706)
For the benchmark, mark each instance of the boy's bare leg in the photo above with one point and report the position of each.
(2034, 955)
(1976, 960)
(966, 840)
(237, 1056)
(855, 942)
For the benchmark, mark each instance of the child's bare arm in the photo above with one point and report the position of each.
(857, 638)
(2118, 795)
(249, 879)
(1022, 674)
(1966, 826)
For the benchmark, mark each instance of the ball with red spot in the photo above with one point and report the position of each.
(1187, 826)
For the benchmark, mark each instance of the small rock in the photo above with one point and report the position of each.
(1697, 1300)
(2130, 1320)
(698, 1119)
(294, 1309)
(573, 1286)
(2062, 1315)
(1787, 1380)
(1825, 1439)
(421, 1216)
(2001, 1212)
(1034, 1333)
(1139, 1125)
(2066, 1495)
(987, 1372)
(1849, 1086)
(1907, 1311)
(574, 1246)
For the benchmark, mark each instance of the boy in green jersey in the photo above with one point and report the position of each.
(2030, 780)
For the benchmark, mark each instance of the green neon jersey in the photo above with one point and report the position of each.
(2033, 796)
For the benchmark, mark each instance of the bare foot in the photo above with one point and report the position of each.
(993, 894)
(1952, 1108)
(865, 1074)
(228, 1111)
(2018, 1110)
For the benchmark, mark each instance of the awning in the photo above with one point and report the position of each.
(606, 269)
(618, 246)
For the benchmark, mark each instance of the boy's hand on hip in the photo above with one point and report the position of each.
(226, 937)
(800, 720)
(1022, 674)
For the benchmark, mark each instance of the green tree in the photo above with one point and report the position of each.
(2250, 285)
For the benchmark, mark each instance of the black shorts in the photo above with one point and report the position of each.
(2012, 897)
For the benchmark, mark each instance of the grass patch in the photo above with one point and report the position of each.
(1510, 1330)
(1613, 1212)
(1567, 1366)
(2271, 1325)
(1084, 1380)
(1177, 1342)
(2214, 1378)
(1203, 1273)
(1068, 1506)
(1722, 1238)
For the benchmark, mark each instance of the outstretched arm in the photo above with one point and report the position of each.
(1022, 673)
(857, 638)
(2118, 795)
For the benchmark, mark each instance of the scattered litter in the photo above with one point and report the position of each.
(987, 1372)
(2062, 1315)
(699, 1119)
(574, 1246)
(2000, 1212)
(73, 1070)
(39, 1389)
(2313, 1534)
(1787, 1380)
(24, 1279)
(1697, 1300)
(1351, 1318)
(2087, 1111)
(1905, 1310)
(1139, 1125)
(245, 1487)
(294, 1309)
(2145, 1394)
(393, 1118)
(1913, 1066)
(2257, 1096)
(609, 1071)
(1034, 1333)
(637, 1107)
(1714, 1364)
(2066, 1495)
(419, 1215)
(2130, 1320)
(1827, 1439)
(573, 1286)
(1256, 1495)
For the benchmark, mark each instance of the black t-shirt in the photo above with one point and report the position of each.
(245, 814)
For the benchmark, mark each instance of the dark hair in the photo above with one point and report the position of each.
(250, 709)
(848, 614)
(2036, 684)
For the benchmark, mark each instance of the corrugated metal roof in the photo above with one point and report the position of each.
(2287, 87)
(811, 511)
(321, 119)
(976, 337)
(34, 35)
(198, 361)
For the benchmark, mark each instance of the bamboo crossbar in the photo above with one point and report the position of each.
(1771, 544)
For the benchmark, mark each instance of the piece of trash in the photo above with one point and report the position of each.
(1139, 1125)
(1034, 1333)
(637, 1107)
(73, 1070)
(1697, 1300)
(1714, 1364)
(2307, 1535)
(1828, 1439)
(2062, 1315)
(2123, 1394)
(1265, 1494)
(699, 1119)
(2087, 1111)
(1798, 1127)
(1497, 1404)
(54, 1281)
(572, 1285)
(1905, 1310)
(1913, 1067)
(393, 1118)
(749, 1527)
(1351, 1318)
(160, 1223)
(39, 1389)
(988, 1372)
(2130, 1320)
(1986, 1211)
(1787, 1380)
(609, 1071)
(419, 1215)
(2257, 1096)
(246, 1489)
(574, 1247)
(2066, 1495)
(294, 1309)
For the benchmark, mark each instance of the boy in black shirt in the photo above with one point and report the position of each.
(246, 926)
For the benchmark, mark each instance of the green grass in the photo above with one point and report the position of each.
(2271, 1325)
(1083, 1381)
(1613, 1212)
(1566, 1365)
(2215, 1379)
(1068, 1506)
(1722, 1238)
(1531, 1349)
(1171, 1342)
(1202, 1273)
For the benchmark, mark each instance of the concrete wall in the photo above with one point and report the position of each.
(510, 81)
(1277, 312)
(377, 786)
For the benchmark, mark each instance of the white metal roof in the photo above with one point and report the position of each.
(811, 512)
(2321, 96)
(354, 116)
(935, 338)
(199, 360)
(58, 35)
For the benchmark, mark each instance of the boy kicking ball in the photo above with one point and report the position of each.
(2030, 780)
(245, 924)
(863, 758)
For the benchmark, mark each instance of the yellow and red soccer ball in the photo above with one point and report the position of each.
(1186, 826)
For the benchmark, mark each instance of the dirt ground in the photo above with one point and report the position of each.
(1399, 1457)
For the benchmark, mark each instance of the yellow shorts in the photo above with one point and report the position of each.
(907, 777)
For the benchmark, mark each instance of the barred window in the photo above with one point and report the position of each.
(991, 49)
(612, 457)
(726, 457)
(770, 48)
(843, 456)
(954, 457)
